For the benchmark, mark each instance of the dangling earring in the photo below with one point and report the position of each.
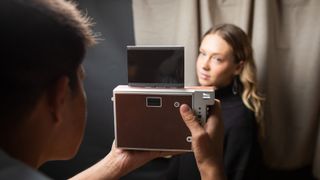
(235, 86)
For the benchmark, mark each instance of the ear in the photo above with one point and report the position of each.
(58, 97)
(239, 68)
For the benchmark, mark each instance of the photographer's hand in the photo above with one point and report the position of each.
(119, 162)
(207, 141)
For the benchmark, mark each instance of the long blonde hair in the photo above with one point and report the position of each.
(242, 51)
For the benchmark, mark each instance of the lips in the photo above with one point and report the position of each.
(204, 76)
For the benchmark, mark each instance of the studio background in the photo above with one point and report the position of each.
(286, 39)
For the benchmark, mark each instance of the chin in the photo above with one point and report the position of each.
(205, 83)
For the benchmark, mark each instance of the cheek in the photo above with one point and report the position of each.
(83, 108)
(225, 76)
(81, 113)
(220, 72)
(80, 120)
(200, 64)
(197, 66)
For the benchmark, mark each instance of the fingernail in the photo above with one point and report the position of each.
(185, 108)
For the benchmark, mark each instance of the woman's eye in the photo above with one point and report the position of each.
(217, 59)
(202, 53)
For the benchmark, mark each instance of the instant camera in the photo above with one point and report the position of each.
(146, 113)
(155, 66)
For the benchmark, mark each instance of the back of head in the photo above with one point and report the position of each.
(41, 40)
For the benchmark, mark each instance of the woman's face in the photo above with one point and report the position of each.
(215, 63)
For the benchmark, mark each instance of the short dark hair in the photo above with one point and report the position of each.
(41, 40)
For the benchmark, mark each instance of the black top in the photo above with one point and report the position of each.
(242, 153)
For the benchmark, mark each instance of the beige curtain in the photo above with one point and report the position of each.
(172, 22)
(286, 39)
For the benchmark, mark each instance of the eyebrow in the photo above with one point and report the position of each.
(215, 53)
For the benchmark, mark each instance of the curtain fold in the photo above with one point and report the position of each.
(169, 22)
(216, 12)
(286, 41)
(288, 63)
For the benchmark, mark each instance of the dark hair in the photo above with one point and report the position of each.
(41, 41)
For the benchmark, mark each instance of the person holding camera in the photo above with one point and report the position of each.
(43, 101)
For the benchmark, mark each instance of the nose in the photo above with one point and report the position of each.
(205, 63)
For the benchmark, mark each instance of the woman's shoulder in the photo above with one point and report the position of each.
(236, 115)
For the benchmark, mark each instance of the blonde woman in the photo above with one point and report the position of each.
(226, 62)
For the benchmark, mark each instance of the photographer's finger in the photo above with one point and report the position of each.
(214, 122)
(189, 119)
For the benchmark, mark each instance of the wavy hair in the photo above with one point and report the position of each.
(242, 51)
